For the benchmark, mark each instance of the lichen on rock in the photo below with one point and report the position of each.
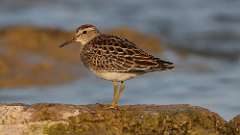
(235, 125)
(60, 119)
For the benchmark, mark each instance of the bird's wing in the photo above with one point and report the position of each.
(121, 55)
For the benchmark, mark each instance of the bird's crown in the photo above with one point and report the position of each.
(86, 27)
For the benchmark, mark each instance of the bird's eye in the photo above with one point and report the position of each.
(84, 32)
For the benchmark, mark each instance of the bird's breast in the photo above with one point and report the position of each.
(114, 76)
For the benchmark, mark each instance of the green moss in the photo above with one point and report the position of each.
(45, 112)
(57, 129)
(174, 122)
(43, 115)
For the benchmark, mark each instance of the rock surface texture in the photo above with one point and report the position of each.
(61, 119)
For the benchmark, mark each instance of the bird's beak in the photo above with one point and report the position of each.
(67, 42)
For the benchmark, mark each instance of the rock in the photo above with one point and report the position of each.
(31, 56)
(235, 125)
(61, 119)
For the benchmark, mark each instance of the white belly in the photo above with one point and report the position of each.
(114, 76)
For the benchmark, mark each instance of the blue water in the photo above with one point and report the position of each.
(204, 26)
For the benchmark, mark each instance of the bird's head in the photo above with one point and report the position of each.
(83, 35)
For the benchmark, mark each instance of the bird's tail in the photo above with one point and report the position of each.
(164, 65)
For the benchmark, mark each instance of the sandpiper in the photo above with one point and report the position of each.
(114, 58)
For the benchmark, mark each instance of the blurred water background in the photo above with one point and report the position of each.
(209, 28)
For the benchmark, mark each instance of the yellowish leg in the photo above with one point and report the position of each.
(115, 95)
(121, 89)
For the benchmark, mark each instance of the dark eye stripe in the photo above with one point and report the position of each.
(84, 32)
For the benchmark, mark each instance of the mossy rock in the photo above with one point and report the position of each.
(62, 119)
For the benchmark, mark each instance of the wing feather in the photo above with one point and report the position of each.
(120, 55)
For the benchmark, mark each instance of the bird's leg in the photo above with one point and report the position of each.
(121, 89)
(115, 95)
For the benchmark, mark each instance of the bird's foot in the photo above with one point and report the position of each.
(108, 106)
(112, 107)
